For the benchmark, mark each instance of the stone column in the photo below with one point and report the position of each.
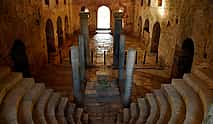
(84, 16)
(82, 57)
(129, 77)
(117, 31)
(121, 62)
(76, 74)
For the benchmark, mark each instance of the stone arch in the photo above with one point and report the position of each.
(155, 38)
(50, 38)
(60, 32)
(19, 58)
(183, 59)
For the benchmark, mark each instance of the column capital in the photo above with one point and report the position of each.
(84, 14)
(118, 15)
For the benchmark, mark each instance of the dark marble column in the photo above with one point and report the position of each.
(129, 77)
(84, 29)
(82, 57)
(121, 62)
(117, 31)
(76, 74)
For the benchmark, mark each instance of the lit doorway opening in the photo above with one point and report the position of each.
(103, 21)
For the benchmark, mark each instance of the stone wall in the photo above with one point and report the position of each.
(25, 20)
(178, 21)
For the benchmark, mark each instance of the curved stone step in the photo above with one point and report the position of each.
(51, 107)
(39, 111)
(194, 113)
(154, 110)
(133, 113)
(201, 89)
(60, 112)
(8, 83)
(126, 116)
(164, 107)
(70, 112)
(176, 103)
(144, 110)
(9, 107)
(28, 102)
(78, 115)
(4, 71)
(205, 74)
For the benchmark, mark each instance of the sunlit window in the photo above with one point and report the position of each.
(103, 17)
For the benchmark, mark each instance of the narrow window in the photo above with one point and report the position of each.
(56, 2)
(159, 2)
(65, 2)
(47, 2)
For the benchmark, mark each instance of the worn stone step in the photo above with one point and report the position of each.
(144, 110)
(39, 111)
(28, 102)
(8, 82)
(201, 89)
(70, 112)
(78, 115)
(126, 115)
(154, 110)
(51, 107)
(205, 74)
(4, 71)
(176, 103)
(164, 107)
(133, 113)
(60, 112)
(9, 107)
(194, 111)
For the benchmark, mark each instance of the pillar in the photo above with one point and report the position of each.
(84, 30)
(129, 77)
(121, 61)
(82, 57)
(117, 31)
(76, 74)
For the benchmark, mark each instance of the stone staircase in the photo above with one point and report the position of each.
(23, 101)
(184, 101)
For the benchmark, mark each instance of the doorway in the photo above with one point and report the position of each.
(19, 57)
(103, 19)
(183, 59)
(50, 38)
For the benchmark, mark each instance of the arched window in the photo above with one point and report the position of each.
(149, 2)
(103, 18)
(141, 2)
(47, 2)
(159, 2)
(56, 2)
(65, 2)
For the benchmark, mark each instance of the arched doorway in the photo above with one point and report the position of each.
(155, 38)
(50, 38)
(60, 37)
(66, 28)
(140, 26)
(103, 19)
(19, 57)
(183, 59)
(60, 32)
